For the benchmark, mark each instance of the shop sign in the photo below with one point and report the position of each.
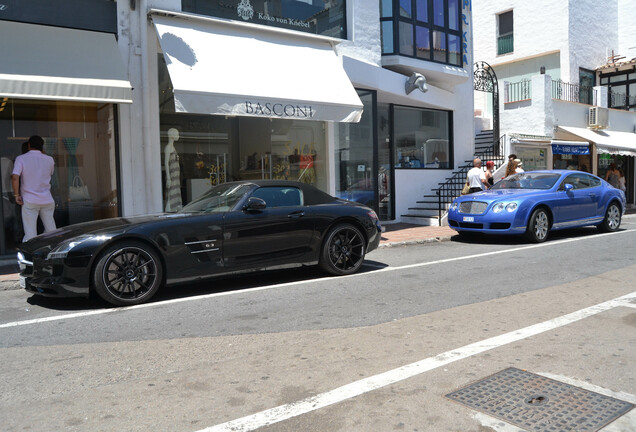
(563, 149)
(280, 110)
(326, 18)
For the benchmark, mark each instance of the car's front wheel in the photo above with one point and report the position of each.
(538, 226)
(612, 220)
(343, 250)
(127, 273)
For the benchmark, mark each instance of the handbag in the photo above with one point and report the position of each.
(78, 191)
(466, 188)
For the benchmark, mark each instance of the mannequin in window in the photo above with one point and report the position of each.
(173, 173)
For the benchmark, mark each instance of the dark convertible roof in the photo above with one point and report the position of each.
(312, 195)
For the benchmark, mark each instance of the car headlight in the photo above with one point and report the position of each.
(62, 250)
(501, 206)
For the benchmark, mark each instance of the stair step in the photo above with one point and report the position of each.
(431, 208)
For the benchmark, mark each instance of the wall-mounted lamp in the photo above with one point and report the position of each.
(416, 80)
(542, 70)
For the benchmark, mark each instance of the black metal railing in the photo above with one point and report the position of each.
(452, 187)
(517, 91)
(572, 92)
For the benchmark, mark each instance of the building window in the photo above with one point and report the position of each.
(505, 39)
(80, 136)
(422, 138)
(586, 86)
(424, 29)
(621, 89)
(310, 16)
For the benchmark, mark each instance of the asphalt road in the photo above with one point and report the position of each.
(205, 354)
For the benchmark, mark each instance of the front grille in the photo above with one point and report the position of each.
(499, 225)
(473, 207)
(471, 225)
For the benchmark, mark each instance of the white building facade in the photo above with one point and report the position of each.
(207, 91)
(565, 72)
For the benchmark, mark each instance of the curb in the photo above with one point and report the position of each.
(8, 285)
(414, 242)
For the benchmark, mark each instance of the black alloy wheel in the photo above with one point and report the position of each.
(538, 226)
(343, 250)
(612, 220)
(128, 273)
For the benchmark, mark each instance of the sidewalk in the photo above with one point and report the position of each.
(401, 234)
(398, 234)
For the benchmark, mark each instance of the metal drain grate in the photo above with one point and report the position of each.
(537, 403)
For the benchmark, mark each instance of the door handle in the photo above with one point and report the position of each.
(296, 214)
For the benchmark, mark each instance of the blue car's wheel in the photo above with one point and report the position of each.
(612, 219)
(538, 226)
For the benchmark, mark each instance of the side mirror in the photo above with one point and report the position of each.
(568, 187)
(254, 203)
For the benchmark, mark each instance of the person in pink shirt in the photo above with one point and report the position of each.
(33, 193)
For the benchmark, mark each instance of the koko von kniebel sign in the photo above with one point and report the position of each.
(326, 18)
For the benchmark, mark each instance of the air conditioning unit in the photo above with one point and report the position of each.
(597, 117)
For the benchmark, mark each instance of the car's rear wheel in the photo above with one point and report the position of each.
(343, 250)
(612, 220)
(127, 273)
(538, 226)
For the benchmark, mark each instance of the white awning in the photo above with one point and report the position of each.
(43, 62)
(607, 141)
(220, 67)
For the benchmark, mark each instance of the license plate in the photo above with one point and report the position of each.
(22, 282)
(469, 218)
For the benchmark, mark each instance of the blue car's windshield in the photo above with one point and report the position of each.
(528, 180)
(219, 199)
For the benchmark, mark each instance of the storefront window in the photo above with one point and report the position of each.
(355, 160)
(199, 151)
(533, 158)
(572, 162)
(311, 16)
(81, 139)
(422, 138)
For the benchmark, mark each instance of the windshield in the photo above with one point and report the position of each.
(528, 180)
(219, 199)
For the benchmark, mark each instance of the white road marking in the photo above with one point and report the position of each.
(303, 282)
(366, 385)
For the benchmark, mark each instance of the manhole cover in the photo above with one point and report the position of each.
(537, 403)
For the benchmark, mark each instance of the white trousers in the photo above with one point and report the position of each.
(30, 213)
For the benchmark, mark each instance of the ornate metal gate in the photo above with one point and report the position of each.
(486, 81)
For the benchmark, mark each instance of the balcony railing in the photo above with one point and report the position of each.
(572, 92)
(505, 44)
(518, 91)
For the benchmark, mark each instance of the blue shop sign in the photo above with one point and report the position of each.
(570, 149)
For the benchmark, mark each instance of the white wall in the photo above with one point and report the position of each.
(627, 28)
(583, 32)
(538, 28)
(593, 32)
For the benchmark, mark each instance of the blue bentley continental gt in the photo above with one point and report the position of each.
(537, 202)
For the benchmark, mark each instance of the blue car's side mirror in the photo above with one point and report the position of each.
(568, 187)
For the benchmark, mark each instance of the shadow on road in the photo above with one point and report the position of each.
(478, 238)
(220, 284)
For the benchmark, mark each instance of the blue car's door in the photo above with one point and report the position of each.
(579, 204)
